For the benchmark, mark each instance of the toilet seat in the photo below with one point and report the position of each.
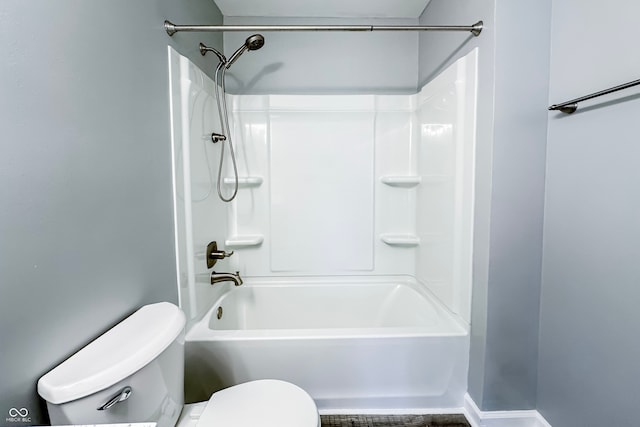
(260, 403)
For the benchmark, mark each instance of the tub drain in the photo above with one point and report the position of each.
(219, 313)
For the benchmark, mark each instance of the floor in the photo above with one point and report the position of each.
(394, 421)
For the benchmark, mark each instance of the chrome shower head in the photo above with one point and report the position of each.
(253, 42)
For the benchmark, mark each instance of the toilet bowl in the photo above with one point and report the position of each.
(134, 373)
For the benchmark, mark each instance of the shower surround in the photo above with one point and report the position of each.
(332, 189)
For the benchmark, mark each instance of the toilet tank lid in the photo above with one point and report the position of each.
(118, 353)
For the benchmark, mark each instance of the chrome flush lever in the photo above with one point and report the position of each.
(120, 396)
(213, 254)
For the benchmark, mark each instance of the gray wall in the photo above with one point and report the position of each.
(436, 52)
(589, 347)
(324, 62)
(513, 87)
(520, 130)
(86, 218)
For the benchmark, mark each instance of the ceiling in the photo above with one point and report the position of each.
(324, 8)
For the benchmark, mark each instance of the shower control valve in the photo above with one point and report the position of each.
(213, 254)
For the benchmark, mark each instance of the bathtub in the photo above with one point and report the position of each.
(355, 344)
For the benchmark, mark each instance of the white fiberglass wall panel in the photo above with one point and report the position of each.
(249, 213)
(336, 160)
(322, 191)
(200, 216)
(396, 170)
(446, 153)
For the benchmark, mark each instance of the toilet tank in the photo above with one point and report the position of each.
(139, 363)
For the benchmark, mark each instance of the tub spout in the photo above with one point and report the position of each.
(226, 277)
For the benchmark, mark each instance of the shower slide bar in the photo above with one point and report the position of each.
(474, 29)
(571, 106)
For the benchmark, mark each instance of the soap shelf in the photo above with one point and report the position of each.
(244, 181)
(407, 240)
(243, 241)
(401, 180)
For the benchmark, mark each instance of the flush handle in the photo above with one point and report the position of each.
(120, 396)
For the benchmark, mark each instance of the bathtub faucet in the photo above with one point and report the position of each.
(226, 277)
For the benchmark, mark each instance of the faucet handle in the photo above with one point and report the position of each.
(213, 254)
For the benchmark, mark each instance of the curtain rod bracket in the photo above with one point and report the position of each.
(169, 27)
(477, 28)
(567, 109)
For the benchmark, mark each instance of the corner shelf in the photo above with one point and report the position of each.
(243, 241)
(406, 181)
(244, 181)
(406, 240)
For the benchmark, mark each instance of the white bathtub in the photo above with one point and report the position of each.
(364, 344)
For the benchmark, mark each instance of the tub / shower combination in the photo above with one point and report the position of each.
(359, 343)
(384, 342)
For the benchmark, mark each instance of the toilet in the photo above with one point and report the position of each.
(134, 373)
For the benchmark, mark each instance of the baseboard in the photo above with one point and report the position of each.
(390, 411)
(478, 418)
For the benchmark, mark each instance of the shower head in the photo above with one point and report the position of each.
(253, 42)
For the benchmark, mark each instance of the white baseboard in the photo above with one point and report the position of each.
(478, 418)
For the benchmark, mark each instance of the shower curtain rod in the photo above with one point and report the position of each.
(474, 29)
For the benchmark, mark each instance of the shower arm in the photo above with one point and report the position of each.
(474, 29)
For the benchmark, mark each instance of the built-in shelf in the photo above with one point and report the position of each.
(244, 181)
(242, 241)
(400, 239)
(401, 180)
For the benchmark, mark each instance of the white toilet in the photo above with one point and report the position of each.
(134, 373)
